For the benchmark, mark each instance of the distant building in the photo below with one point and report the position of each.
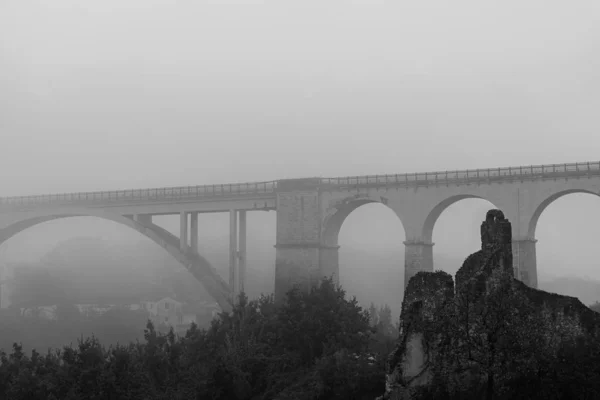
(88, 310)
(96, 309)
(44, 312)
(161, 311)
(166, 311)
(179, 315)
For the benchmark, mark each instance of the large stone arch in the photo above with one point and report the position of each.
(525, 247)
(198, 266)
(336, 213)
(539, 209)
(439, 208)
(419, 249)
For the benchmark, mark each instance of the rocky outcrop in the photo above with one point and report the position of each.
(427, 299)
(474, 338)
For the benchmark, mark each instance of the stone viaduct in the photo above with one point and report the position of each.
(310, 213)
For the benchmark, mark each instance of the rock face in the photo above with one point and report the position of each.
(477, 338)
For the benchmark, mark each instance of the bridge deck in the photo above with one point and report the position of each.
(244, 190)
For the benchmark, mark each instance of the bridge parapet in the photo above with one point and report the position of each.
(241, 190)
(465, 177)
(181, 193)
(287, 185)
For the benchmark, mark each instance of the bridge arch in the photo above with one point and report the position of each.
(336, 215)
(528, 251)
(339, 211)
(439, 208)
(539, 209)
(198, 266)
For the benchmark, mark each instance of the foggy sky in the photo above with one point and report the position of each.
(117, 94)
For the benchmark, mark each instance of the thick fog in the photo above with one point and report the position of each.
(119, 94)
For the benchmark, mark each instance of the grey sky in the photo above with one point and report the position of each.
(116, 94)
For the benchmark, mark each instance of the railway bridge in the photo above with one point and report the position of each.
(310, 213)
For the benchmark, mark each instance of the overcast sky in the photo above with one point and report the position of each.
(114, 94)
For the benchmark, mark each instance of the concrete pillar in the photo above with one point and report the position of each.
(330, 262)
(233, 273)
(183, 231)
(418, 256)
(524, 261)
(144, 219)
(297, 262)
(242, 252)
(194, 232)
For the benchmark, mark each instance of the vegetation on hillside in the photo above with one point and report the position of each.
(318, 345)
(117, 325)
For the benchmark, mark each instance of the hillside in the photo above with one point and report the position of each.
(95, 270)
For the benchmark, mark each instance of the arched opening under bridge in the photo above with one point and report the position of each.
(213, 244)
(39, 235)
(567, 229)
(371, 255)
(455, 230)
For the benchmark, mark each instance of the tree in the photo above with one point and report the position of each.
(373, 315)
(385, 322)
(323, 320)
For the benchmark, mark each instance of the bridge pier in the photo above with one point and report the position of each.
(418, 256)
(242, 251)
(233, 245)
(296, 265)
(298, 245)
(525, 261)
(194, 232)
(183, 231)
(237, 252)
(329, 262)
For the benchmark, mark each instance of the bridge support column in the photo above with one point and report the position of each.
(418, 256)
(242, 251)
(183, 231)
(233, 272)
(297, 261)
(525, 261)
(194, 232)
(330, 262)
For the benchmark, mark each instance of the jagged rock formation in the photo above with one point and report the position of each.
(472, 339)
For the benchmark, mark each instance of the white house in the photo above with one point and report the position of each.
(166, 311)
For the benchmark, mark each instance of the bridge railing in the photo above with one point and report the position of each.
(243, 189)
(170, 193)
(470, 176)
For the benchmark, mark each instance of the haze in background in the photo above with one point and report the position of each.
(117, 94)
